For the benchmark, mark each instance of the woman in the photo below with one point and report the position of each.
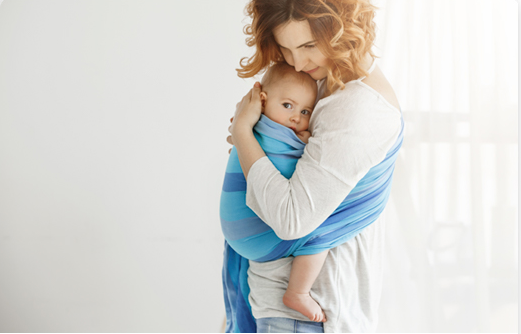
(355, 123)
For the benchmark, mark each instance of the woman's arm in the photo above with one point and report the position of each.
(352, 132)
(246, 116)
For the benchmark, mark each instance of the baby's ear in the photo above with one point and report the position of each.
(263, 97)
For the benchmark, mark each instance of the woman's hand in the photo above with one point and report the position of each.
(229, 138)
(247, 113)
(246, 116)
(304, 136)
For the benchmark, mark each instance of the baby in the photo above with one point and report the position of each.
(288, 98)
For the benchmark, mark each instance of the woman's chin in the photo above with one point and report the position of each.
(318, 74)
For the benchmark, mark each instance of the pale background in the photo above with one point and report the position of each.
(113, 119)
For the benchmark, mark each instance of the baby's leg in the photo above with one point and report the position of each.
(304, 272)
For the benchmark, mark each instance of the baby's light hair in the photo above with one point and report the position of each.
(282, 70)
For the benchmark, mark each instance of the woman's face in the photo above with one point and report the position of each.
(300, 49)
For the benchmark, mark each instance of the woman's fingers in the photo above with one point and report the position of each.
(229, 140)
(248, 110)
(244, 101)
(247, 97)
(255, 91)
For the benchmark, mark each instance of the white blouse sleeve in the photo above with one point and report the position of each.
(352, 130)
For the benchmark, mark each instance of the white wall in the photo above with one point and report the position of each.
(113, 125)
(452, 228)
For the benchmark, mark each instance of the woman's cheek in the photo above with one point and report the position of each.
(288, 58)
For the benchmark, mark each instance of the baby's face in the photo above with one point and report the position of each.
(290, 103)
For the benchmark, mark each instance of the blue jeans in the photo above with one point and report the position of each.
(285, 325)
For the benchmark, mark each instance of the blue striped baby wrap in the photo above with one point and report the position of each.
(249, 238)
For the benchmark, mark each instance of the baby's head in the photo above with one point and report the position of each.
(288, 96)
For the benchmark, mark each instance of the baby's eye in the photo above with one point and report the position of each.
(305, 112)
(287, 105)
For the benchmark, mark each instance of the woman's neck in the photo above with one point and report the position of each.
(365, 64)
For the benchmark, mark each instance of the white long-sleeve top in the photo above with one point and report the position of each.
(352, 130)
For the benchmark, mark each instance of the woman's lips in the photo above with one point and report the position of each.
(313, 70)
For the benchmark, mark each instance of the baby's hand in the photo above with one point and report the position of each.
(304, 136)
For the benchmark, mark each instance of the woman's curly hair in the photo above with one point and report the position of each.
(344, 31)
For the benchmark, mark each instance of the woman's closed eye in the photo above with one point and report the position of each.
(310, 46)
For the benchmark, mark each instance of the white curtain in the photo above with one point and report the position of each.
(451, 229)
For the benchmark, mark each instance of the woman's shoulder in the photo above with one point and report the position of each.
(377, 82)
(371, 91)
(356, 103)
(356, 110)
(358, 93)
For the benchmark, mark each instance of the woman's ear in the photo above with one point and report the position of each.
(263, 97)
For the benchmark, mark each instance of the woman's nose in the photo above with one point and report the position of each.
(300, 62)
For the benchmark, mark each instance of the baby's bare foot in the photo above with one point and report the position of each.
(303, 303)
